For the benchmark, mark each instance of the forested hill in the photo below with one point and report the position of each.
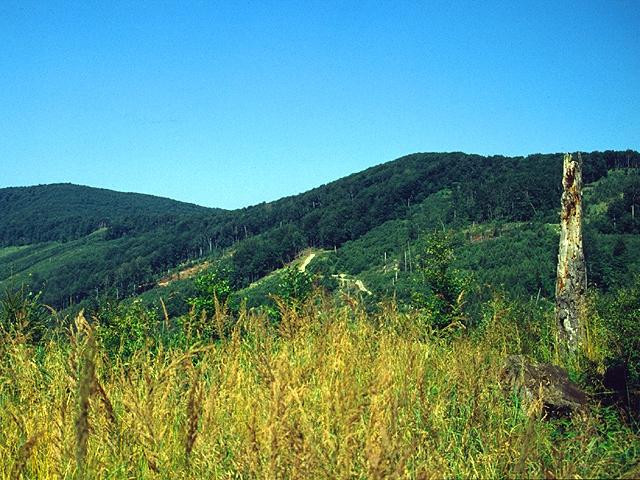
(77, 242)
(67, 212)
(484, 188)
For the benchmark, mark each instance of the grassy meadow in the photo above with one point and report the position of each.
(330, 391)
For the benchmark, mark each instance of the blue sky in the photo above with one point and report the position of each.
(232, 103)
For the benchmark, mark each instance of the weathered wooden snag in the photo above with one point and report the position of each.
(571, 280)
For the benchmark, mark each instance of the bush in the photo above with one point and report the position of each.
(22, 312)
(124, 329)
(211, 286)
(438, 289)
(293, 289)
(620, 313)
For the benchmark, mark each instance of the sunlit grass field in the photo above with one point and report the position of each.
(329, 392)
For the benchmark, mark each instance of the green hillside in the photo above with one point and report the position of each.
(79, 243)
(518, 258)
(376, 314)
(65, 212)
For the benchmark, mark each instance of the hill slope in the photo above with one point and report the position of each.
(65, 212)
(76, 242)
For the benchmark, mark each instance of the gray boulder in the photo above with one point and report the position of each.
(531, 379)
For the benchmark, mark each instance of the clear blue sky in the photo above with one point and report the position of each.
(233, 103)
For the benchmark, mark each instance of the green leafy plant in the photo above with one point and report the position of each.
(211, 286)
(438, 288)
(208, 317)
(620, 313)
(124, 329)
(22, 312)
(293, 289)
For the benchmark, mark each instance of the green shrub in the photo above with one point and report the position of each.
(293, 289)
(438, 289)
(211, 286)
(22, 312)
(124, 328)
(620, 313)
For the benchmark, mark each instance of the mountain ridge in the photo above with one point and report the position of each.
(144, 236)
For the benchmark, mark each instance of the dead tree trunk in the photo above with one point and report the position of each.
(571, 280)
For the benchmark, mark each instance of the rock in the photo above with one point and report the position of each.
(530, 379)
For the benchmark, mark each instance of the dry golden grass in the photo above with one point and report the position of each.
(330, 393)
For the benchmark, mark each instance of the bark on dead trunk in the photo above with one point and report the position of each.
(571, 280)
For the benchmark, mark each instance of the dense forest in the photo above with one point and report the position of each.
(76, 243)
(63, 212)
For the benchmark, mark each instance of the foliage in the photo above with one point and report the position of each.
(63, 212)
(513, 326)
(295, 286)
(334, 387)
(211, 287)
(256, 256)
(619, 312)
(93, 242)
(21, 312)
(124, 329)
(439, 288)
(611, 262)
(292, 291)
(208, 316)
(518, 258)
(624, 212)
